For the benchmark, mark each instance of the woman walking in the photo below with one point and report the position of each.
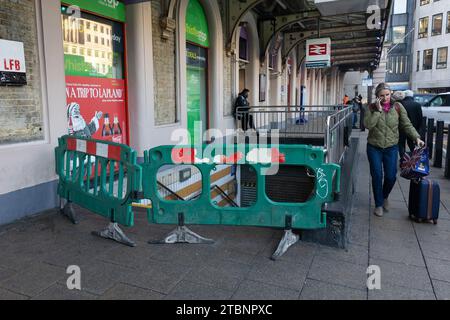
(384, 119)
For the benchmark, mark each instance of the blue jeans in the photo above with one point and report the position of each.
(355, 119)
(380, 159)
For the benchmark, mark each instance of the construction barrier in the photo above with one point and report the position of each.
(264, 212)
(100, 176)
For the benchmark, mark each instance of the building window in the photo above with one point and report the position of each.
(424, 2)
(243, 44)
(437, 25)
(423, 27)
(398, 34)
(418, 61)
(427, 59)
(400, 6)
(448, 22)
(442, 56)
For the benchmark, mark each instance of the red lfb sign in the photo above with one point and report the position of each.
(318, 49)
(11, 65)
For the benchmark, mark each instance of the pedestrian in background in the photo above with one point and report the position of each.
(244, 108)
(356, 108)
(415, 115)
(383, 119)
(346, 100)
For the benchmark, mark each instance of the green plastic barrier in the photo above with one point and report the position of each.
(100, 176)
(265, 212)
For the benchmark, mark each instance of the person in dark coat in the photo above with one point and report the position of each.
(244, 108)
(415, 114)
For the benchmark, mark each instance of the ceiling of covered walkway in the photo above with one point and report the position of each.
(357, 34)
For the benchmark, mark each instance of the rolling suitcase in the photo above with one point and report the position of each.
(424, 200)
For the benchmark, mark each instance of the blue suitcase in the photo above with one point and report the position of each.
(424, 200)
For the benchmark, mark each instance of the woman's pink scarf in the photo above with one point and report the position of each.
(386, 107)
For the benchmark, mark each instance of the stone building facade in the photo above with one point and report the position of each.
(33, 117)
(21, 112)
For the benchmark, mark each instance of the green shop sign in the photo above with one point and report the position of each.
(196, 24)
(112, 9)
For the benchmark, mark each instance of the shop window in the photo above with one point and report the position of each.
(437, 25)
(423, 27)
(398, 34)
(427, 59)
(442, 56)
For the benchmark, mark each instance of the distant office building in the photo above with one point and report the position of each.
(399, 44)
(431, 73)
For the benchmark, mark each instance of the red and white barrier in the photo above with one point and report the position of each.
(97, 149)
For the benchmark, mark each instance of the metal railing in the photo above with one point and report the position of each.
(337, 134)
(332, 123)
(288, 121)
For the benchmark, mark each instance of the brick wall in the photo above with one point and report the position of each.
(164, 71)
(21, 107)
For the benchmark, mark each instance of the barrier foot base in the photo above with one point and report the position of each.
(182, 234)
(289, 239)
(113, 232)
(69, 212)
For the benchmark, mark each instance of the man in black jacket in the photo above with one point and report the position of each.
(415, 114)
(244, 107)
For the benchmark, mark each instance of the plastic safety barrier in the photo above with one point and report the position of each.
(100, 176)
(264, 212)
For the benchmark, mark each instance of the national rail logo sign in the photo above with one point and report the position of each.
(318, 53)
(318, 50)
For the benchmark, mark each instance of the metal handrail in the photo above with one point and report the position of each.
(333, 123)
(338, 125)
(288, 120)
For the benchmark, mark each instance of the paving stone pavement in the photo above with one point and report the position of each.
(414, 259)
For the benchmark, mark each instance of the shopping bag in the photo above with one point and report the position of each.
(416, 165)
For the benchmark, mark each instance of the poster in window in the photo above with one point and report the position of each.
(95, 79)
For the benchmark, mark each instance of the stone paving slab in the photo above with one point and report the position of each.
(414, 258)
(318, 290)
(390, 292)
(442, 289)
(122, 291)
(255, 290)
(403, 275)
